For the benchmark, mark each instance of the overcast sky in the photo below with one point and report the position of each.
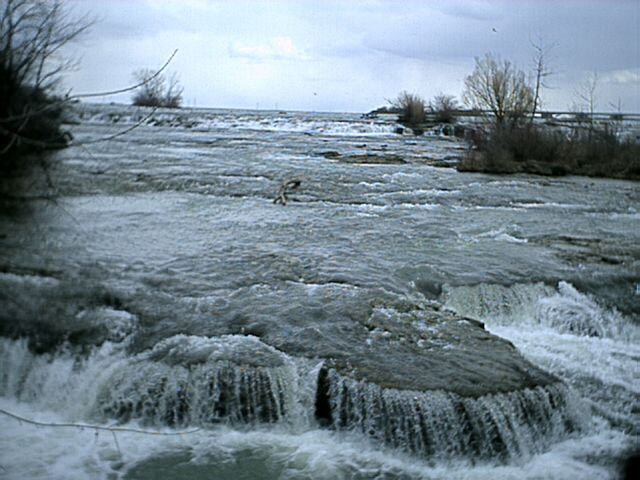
(349, 55)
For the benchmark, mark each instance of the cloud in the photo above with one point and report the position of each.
(353, 54)
(471, 10)
(278, 48)
(629, 76)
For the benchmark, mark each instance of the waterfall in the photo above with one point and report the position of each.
(444, 425)
(563, 308)
(183, 380)
(199, 395)
(200, 381)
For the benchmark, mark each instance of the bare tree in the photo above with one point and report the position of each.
(157, 91)
(151, 90)
(541, 71)
(498, 87)
(32, 34)
(587, 95)
(412, 108)
(444, 106)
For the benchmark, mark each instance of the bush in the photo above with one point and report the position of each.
(547, 151)
(444, 108)
(38, 129)
(31, 32)
(157, 91)
(412, 109)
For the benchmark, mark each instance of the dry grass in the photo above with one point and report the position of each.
(546, 151)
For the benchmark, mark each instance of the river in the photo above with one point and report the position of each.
(163, 246)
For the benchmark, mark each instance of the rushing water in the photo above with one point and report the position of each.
(163, 262)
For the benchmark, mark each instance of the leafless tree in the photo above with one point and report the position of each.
(157, 91)
(499, 87)
(173, 94)
(587, 95)
(541, 71)
(412, 108)
(151, 91)
(444, 106)
(32, 35)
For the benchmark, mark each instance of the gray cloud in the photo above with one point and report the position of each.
(355, 54)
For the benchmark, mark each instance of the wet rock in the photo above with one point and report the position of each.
(372, 158)
(439, 385)
(51, 311)
(436, 350)
(192, 380)
(502, 162)
(331, 154)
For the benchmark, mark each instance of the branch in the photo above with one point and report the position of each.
(54, 144)
(94, 427)
(24, 117)
(70, 98)
(120, 133)
(127, 89)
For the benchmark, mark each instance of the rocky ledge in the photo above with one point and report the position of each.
(410, 375)
(365, 158)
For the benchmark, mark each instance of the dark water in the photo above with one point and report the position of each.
(165, 243)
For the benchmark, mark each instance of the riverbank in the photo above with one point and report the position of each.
(550, 151)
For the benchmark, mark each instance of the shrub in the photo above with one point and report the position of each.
(157, 91)
(31, 33)
(547, 151)
(444, 108)
(412, 109)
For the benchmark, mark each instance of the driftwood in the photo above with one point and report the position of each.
(287, 187)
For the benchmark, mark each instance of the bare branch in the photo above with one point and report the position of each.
(540, 71)
(32, 34)
(499, 87)
(93, 427)
(132, 87)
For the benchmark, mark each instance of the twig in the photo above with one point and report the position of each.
(27, 115)
(115, 439)
(127, 89)
(93, 427)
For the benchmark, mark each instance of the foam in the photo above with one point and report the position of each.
(41, 453)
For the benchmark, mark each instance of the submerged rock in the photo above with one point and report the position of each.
(411, 375)
(370, 158)
(429, 349)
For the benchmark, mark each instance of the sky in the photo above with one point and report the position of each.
(355, 55)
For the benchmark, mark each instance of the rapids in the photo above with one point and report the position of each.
(344, 335)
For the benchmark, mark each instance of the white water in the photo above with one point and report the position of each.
(60, 388)
(406, 232)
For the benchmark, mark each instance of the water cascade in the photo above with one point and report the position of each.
(189, 380)
(563, 308)
(397, 321)
(440, 424)
(198, 381)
